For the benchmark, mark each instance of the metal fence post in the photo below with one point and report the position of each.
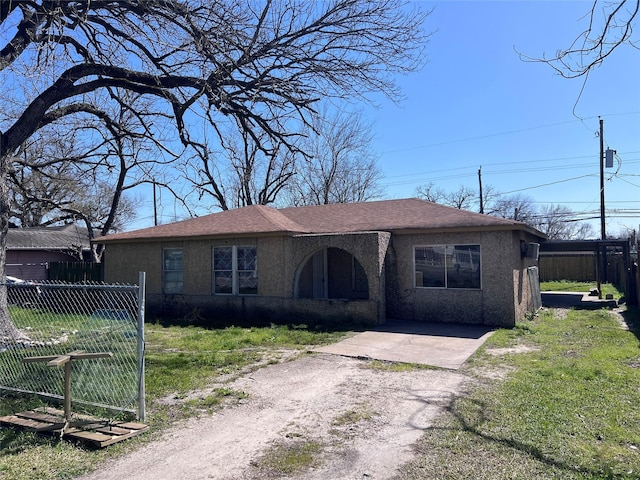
(141, 313)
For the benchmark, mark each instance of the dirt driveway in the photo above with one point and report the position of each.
(352, 420)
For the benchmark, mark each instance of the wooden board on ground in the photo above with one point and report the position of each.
(97, 432)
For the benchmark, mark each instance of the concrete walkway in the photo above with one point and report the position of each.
(435, 344)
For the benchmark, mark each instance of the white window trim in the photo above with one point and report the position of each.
(445, 245)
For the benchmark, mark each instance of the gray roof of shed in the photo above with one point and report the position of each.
(48, 238)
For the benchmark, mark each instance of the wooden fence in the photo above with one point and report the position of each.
(580, 267)
(75, 272)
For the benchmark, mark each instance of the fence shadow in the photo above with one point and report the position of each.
(631, 319)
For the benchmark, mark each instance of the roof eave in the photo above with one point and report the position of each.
(180, 238)
(474, 228)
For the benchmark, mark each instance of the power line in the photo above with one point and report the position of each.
(414, 180)
(509, 132)
(473, 168)
(627, 181)
(586, 201)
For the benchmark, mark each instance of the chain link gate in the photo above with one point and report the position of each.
(58, 318)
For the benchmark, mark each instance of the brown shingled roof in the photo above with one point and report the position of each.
(386, 215)
(404, 214)
(255, 219)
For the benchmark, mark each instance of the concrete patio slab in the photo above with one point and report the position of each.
(575, 300)
(435, 344)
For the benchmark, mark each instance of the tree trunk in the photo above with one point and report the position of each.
(8, 331)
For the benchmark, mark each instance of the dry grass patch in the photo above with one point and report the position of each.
(289, 458)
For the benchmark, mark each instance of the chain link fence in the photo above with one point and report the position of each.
(55, 319)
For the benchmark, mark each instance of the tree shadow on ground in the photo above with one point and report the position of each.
(472, 418)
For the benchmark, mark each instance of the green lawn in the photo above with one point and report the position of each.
(556, 397)
(179, 360)
(567, 286)
(568, 406)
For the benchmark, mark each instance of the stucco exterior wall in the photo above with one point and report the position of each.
(498, 302)
(523, 290)
(368, 248)
(123, 262)
(279, 260)
(504, 296)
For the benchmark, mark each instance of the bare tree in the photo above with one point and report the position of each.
(559, 223)
(556, 221)
(260, 63)
(95, 206)
(463, 198)
(336, 163)
(630, 233)
(515, 207)
(33, 196)
(259, 175)
(328, 161)
(431, 193)
(245, 172)
(609, 26)
(84, 173)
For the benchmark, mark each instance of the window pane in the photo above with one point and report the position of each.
(172, 259)
(463, 266)
(430, 269)
(223, 258)
(173, 282)
(247, 283)
(246, 258)
(223, 282)
(247, 274)
(239, 278)
(172, 270)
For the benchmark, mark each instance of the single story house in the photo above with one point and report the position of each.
(363, 262)
(30, 250)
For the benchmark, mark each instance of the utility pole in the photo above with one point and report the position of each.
(480, 182)
(155, 204)
(603, 234)
(602, 268)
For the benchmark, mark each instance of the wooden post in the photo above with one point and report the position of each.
(58, 360)
(67, 391)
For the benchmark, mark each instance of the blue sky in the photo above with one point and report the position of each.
(476, 103)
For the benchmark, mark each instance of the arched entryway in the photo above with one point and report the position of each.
(332, 273)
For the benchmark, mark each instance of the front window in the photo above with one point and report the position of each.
(172, 270)
(235, 270)
(447, 266)
(246, 268)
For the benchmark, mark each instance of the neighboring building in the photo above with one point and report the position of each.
(363, 262)
(30, 250)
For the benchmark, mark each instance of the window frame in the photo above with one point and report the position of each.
(166, 262)
(235, 270)
(446, 275)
